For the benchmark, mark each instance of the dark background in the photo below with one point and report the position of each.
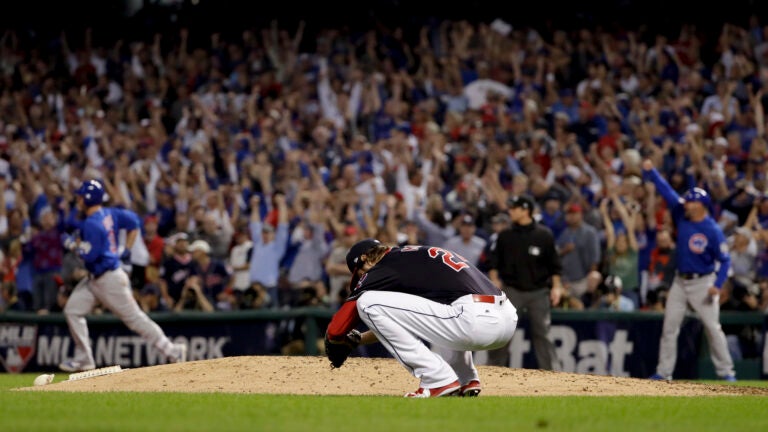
(108, 17)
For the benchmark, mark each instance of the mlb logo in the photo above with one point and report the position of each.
(17, 345)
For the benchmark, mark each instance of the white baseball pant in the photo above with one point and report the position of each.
(693, 292)
(112, 290)
(401, 322)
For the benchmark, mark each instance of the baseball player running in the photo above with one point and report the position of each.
(700, 244)
(415, 294)
(107, 282)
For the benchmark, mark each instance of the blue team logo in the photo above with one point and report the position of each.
(697, 243)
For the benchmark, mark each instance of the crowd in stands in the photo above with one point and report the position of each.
(255, 164)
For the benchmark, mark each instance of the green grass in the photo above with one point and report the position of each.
(167, 412)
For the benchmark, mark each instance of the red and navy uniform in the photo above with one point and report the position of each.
(430, 272)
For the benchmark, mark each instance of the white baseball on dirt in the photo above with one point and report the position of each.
(44, 379)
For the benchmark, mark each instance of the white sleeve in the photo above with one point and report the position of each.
(92, 152)
(72, 62)
(326, 95)
(182, 206)
(123, 188)
(752, 248)
(232, 172)
(355, 99)
(136, 67)
(150, 190)
(550, 177)
(226, 224)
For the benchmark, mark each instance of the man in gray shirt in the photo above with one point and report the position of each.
(579, 249)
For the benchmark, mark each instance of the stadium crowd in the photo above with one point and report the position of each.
(256, 164)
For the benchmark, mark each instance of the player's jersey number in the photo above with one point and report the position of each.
(451, 259)
(109, 225)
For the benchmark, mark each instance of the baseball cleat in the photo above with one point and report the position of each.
(730, 378)
(75, 366)
(470, 389)
(451, 389)
(658, 377)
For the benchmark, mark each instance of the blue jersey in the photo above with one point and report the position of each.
(98, 238)
(699, 244)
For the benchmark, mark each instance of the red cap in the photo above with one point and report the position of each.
(573, 208)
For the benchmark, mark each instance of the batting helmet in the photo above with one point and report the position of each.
(358, 249)
(698, 195)
(92, 192)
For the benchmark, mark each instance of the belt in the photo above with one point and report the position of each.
(96, 276)
(689, 276)
(486, 298)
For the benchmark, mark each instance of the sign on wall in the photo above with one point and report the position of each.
(604, 347)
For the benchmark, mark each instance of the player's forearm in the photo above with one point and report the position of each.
(368, 338)
(130, 238)
(493, 275)
(334, 269)
(722, 273)
(204, 304)
(662, 186)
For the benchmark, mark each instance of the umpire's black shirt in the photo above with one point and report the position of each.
(525, 257)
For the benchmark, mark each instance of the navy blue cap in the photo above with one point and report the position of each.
(698, 195)
(521, 201)
(357, 250)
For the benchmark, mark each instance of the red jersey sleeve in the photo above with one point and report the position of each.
(344, 320)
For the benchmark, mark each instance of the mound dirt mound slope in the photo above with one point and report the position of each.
(365, 376)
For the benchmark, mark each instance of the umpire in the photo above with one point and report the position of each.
(524, 264)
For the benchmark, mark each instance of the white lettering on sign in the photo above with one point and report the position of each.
(619, 348)
(567, 339)
(518, 348)
(591, 356)
(12, 334)
(765, 354)
(52, 351)
(127, 351)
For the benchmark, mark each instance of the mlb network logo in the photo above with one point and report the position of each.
(17, 345)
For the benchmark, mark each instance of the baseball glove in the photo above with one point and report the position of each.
(338, 351)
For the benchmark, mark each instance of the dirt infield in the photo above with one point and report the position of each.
(365, 376)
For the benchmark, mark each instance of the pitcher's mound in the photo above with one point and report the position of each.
(311, 375)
